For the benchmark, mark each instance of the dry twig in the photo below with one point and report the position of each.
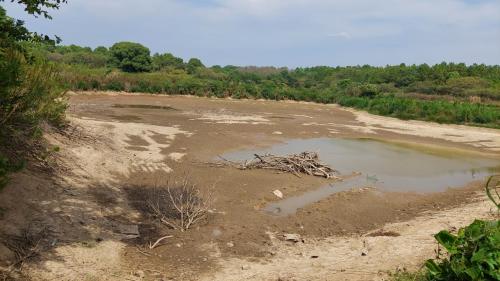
(152, 246)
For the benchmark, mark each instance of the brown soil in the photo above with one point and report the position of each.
(123, 144)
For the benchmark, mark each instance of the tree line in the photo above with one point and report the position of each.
(445, 92)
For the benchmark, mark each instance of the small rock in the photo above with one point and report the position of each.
(278, 193)
(293, 237)
(230, 244)
(129, 229)
(245, 267)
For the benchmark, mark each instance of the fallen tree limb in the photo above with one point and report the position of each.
(303, 163)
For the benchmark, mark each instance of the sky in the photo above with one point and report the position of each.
(291, 33)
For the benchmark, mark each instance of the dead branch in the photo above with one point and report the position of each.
(152, 246)
(303, 163)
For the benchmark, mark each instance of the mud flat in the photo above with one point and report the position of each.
(422, 177)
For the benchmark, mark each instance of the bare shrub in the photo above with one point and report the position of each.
(180, 205)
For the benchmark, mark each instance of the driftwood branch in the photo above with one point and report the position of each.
(303, 163)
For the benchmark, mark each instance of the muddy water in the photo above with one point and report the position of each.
(382, 165)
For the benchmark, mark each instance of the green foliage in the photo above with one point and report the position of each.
(474, 254)
(492, 188)
(37, 7)
(130, 57)
(11, 31)
(166, 62)
(30, 92)
(193, 64)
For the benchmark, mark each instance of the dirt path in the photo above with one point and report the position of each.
(122, 144)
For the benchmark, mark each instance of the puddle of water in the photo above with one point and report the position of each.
(385, 166)
(144, 106)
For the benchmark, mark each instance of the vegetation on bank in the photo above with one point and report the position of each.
(472, 254)
(30, 89)
(445, 93)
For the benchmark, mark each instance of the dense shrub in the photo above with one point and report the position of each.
(474, 254)
(130, 57)
(166, 62)
(30, 92)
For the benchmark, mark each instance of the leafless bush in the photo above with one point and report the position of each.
(180, 205)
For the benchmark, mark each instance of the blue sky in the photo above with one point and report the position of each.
(286, 32)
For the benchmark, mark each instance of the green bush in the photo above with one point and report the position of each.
(114, 86)
(29, 92)
(130, 57)
(474, 254)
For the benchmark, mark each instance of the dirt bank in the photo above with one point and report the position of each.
(118, 145)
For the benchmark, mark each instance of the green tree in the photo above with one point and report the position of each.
(193, 64)
(101, 50)
(130, 57)
(38, 7)
(166, 61)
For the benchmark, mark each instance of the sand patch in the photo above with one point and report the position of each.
(354, 258)
(93, 263)
(222, 118)
(116, 155)
(176, 156)
(478, 137)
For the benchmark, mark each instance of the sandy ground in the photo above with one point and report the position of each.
(121, 144)
(397, 246)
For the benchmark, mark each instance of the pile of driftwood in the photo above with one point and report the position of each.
(302, 163)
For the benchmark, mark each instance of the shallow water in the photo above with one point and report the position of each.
(385, 166)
